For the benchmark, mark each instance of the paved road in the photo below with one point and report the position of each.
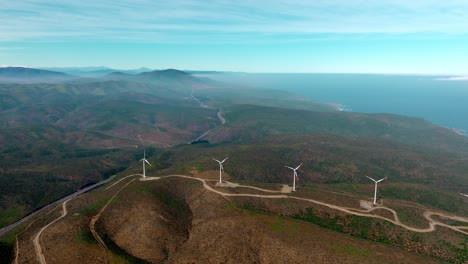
(220, 116)
(7, 229)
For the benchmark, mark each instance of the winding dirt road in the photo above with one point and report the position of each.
(95, 218)
(37, 243)
(365, 213)
(282, 194)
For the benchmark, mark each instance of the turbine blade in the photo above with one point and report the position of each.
(299, 166)
(222, 168)
(148, 162)
(382, 179)
(216, 160)
(371, 178)
(289, 167)
(224, 159)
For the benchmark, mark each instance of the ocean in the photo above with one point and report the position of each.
(434, 98)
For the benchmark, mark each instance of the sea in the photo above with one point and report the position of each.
(443, 100)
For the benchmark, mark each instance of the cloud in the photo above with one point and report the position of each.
(202, 21)
(456, 78)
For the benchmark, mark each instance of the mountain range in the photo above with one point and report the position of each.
(61, 132)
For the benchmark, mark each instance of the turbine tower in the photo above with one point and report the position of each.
(375, 191)
(221, 168)
(295, 175)
(144, 160)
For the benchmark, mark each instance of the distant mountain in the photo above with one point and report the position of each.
(204, 72)
(28, 75)
(166, 75)
(95, 71)
(118, 75)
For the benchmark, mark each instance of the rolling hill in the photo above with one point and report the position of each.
(252, 122)
(59, 137)
(79, 132)
(30, 75)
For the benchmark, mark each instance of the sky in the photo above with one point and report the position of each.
(316, 36)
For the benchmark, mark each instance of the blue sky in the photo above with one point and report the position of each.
(355, 36)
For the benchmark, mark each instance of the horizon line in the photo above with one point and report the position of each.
(239, 72)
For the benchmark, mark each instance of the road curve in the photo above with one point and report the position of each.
(37, 243)
(220, 117)
(353, 211)
(364, 213)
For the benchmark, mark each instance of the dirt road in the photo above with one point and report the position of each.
(95, 218)
(281, 194)
(7, 229)
(37, 243)
(365, 213)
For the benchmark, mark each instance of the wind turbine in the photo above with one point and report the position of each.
(295, 175)
(221, 168)
(375, 192)
(144, 160)
(464, 194)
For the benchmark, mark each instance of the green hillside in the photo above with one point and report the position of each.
(251, 122)
(335, 161)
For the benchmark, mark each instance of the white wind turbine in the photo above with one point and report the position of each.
(464, 194)
(221, 168)
(375, 191)
(144, 160)
(295, 175)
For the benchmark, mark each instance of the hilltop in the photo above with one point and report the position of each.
(28, 75)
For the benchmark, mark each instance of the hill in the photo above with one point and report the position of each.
(252, 122)
(29, 75)
(184, 222)
(93, 71)
(329, 159)
(59, 137)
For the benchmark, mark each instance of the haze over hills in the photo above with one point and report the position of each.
(49, 129)
(58, 137)
(233, 132)
(436, 98)
(28, 75)
(94, 71)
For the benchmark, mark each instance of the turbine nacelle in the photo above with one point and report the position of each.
(145, 160)
(294, 169)
(375, 180)
(220, 162)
